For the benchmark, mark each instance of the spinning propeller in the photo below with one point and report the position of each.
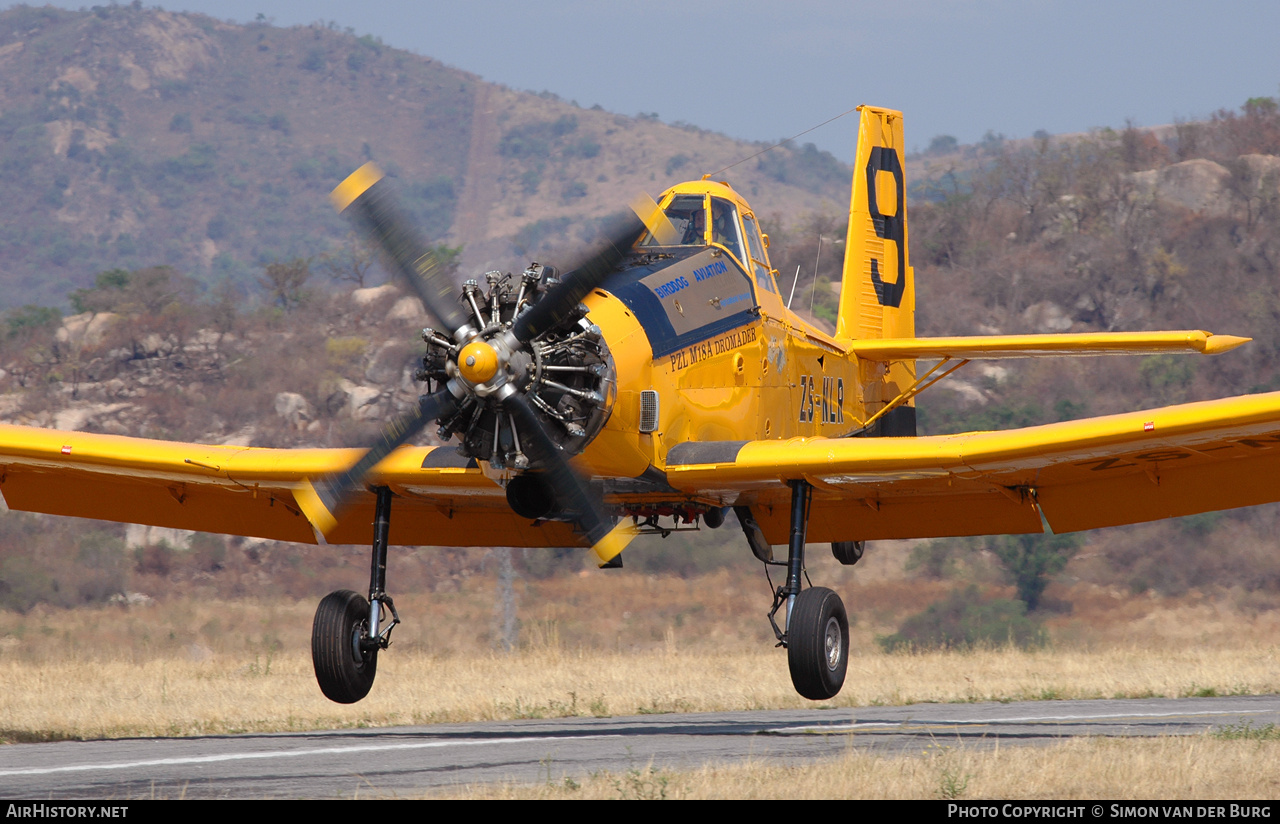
(525, 382)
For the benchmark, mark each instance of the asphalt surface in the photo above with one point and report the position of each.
(404, 761)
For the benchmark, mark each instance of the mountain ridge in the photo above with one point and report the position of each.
(137, 137)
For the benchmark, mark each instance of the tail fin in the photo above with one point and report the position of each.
(877, 292)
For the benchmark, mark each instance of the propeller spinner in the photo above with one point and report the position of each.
(524, 379)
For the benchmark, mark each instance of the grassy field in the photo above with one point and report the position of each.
(223, 693)
(1201, 767)
(589, 645)
(598, 644)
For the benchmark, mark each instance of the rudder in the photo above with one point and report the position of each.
(877, 292)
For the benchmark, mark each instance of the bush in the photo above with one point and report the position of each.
(942, 144)
(524, 142)
(585, 147)
(807, 168)
(934, 560)
(146, 291)
(285, 282)
(1031, 561)
(531, 237)
(963, 620)
(433, 204)
(196, 165)
(29, 318)
(37, 568)
(531, 180)
(535, 139)
(316, 60)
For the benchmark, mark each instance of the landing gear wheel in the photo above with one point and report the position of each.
(344, 667)
(848, 552)
(818, 643)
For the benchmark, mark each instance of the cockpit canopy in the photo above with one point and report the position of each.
(704, 218)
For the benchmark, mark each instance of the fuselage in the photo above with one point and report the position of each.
(700, 331)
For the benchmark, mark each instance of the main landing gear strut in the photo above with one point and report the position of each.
(349, 630)
(817, 626)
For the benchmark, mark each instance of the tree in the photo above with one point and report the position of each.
(964, 619)
(352, 261)
(143, 292)
(447, 257)
(942, 144)
(1031, 561)
(27, 342)
(285, 282)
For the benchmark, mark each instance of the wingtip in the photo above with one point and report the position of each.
(356, 184)
(313, 507)
(1214, 344)
(608, 547)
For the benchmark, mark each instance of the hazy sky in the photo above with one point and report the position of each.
(763, 69)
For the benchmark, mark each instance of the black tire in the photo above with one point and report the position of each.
(344, 671)
(848, 552)
(818, 644)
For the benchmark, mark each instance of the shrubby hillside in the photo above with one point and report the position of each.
(134, 137)
(173, 270)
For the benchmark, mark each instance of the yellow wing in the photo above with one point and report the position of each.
(1120, 469)
(441, 498)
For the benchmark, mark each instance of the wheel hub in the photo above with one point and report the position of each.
(357, 638)
(832, 643)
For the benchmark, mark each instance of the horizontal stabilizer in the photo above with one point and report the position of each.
(1036, 346)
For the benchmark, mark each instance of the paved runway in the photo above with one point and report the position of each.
(407, 760)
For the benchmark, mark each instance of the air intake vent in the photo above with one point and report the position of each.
(648, 410)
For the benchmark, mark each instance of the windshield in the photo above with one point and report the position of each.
(688, 214)
(724, 227)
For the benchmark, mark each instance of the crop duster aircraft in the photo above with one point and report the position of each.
(663, 376)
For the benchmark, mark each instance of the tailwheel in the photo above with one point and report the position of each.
(345, 661)
(818, 643)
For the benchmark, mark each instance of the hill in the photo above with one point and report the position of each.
(142, 138)
(135, 137)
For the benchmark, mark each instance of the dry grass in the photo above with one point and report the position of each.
(1166, 768)
(595, 644)
(619, 645)
(165, 687)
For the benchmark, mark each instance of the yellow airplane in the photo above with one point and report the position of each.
(663, 376)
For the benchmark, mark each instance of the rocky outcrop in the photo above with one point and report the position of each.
(86, 329)
(1212, 188)
(1199, 185)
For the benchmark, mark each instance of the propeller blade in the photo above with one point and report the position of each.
(320, 501)
(618, 238)
(572, 492)
(655, 220)
(369, 200)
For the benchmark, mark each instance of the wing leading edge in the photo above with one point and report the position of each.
(1030, 346)
(441, 499)
(1096, 472)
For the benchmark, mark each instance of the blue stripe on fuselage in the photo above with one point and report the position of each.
(648, 309)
